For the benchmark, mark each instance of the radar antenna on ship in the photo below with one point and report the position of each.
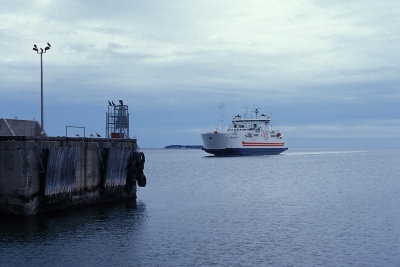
(256, 110)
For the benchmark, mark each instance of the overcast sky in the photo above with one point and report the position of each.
(327, 71)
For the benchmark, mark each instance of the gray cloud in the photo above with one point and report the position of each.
(295, 57)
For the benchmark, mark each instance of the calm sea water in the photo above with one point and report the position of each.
(301, 208)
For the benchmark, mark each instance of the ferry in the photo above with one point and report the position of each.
(245, 137)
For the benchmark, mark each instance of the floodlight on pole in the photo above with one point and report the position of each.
(41, 52)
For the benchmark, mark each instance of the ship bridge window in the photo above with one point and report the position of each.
(241, 126)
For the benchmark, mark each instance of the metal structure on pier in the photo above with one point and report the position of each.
(41, 52)
(117, 120)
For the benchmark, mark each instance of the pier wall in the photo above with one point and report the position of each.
(40, 174)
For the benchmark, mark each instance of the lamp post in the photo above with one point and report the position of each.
(35, 48)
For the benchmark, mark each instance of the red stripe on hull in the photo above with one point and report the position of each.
(262, 144)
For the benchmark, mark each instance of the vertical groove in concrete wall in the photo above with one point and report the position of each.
(117, 163)
(61, 167)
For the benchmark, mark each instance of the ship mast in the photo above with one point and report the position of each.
(221, 106)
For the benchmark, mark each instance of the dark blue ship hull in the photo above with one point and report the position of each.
(245, 151)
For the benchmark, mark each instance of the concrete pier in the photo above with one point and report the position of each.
(40, 174)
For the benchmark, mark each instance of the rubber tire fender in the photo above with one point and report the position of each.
(142, 157)
(142, 180)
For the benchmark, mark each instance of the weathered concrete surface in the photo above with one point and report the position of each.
(28, 186)
(11, 127)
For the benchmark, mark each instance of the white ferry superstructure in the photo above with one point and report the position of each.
(244, 137)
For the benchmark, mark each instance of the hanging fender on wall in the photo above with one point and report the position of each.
(139, 160)
(141, 180)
